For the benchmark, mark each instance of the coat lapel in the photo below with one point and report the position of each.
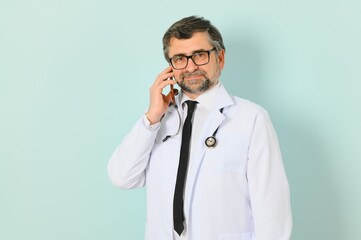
(215, 119)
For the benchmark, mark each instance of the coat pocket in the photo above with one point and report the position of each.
(229, 156)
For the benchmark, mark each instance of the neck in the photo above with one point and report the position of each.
(192, 96)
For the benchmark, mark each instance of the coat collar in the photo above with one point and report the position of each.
(170, 124)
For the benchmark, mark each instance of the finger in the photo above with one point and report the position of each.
(166, 70)
(158, 88)
(166, 83)
(163, 78)
(165, 74)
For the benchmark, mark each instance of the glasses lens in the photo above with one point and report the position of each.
(200, 58)
(179, 62)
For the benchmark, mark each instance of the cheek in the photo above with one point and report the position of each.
(209, 72)
(176, 74)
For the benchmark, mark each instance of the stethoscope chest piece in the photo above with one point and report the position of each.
(211, 141)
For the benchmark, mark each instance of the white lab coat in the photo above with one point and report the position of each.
(235, 191)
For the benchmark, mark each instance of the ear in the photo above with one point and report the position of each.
(221, 58)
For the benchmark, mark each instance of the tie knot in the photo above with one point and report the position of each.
(191, 105)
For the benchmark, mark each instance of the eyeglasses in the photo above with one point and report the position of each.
(199, 58)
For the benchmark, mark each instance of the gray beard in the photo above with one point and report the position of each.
(205, 85)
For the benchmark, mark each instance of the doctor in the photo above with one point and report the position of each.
(216, 175)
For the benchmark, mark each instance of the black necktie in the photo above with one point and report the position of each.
(178, 214)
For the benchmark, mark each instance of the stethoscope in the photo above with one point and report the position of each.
(210, 141)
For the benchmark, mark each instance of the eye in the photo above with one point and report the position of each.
(178, 59)
(200, 55)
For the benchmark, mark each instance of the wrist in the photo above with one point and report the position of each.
(152, 118)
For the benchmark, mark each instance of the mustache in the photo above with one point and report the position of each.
(195, 73)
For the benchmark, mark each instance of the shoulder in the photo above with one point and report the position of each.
(246, 106)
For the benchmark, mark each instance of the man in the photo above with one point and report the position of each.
(216, 174)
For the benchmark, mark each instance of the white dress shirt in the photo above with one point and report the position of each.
(204, 106)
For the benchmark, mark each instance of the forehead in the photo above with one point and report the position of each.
(199, 41)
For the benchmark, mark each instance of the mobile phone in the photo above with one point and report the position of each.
(172, 93)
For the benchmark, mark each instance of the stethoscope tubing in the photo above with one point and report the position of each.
(210, 141)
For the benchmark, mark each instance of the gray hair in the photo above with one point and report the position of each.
(186, 27)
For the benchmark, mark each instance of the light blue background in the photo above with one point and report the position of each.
(74, 76)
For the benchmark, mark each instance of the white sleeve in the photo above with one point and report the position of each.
(268, 185)
(127, 165)
(153, 127)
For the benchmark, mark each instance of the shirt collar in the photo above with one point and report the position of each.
(206, 99)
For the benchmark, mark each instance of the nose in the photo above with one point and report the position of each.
(191, 67)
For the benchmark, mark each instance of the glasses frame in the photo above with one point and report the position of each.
(191, 57)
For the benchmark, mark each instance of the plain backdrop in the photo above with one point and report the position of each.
(75, 74)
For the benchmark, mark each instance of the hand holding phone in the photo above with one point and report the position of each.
(160, 101)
